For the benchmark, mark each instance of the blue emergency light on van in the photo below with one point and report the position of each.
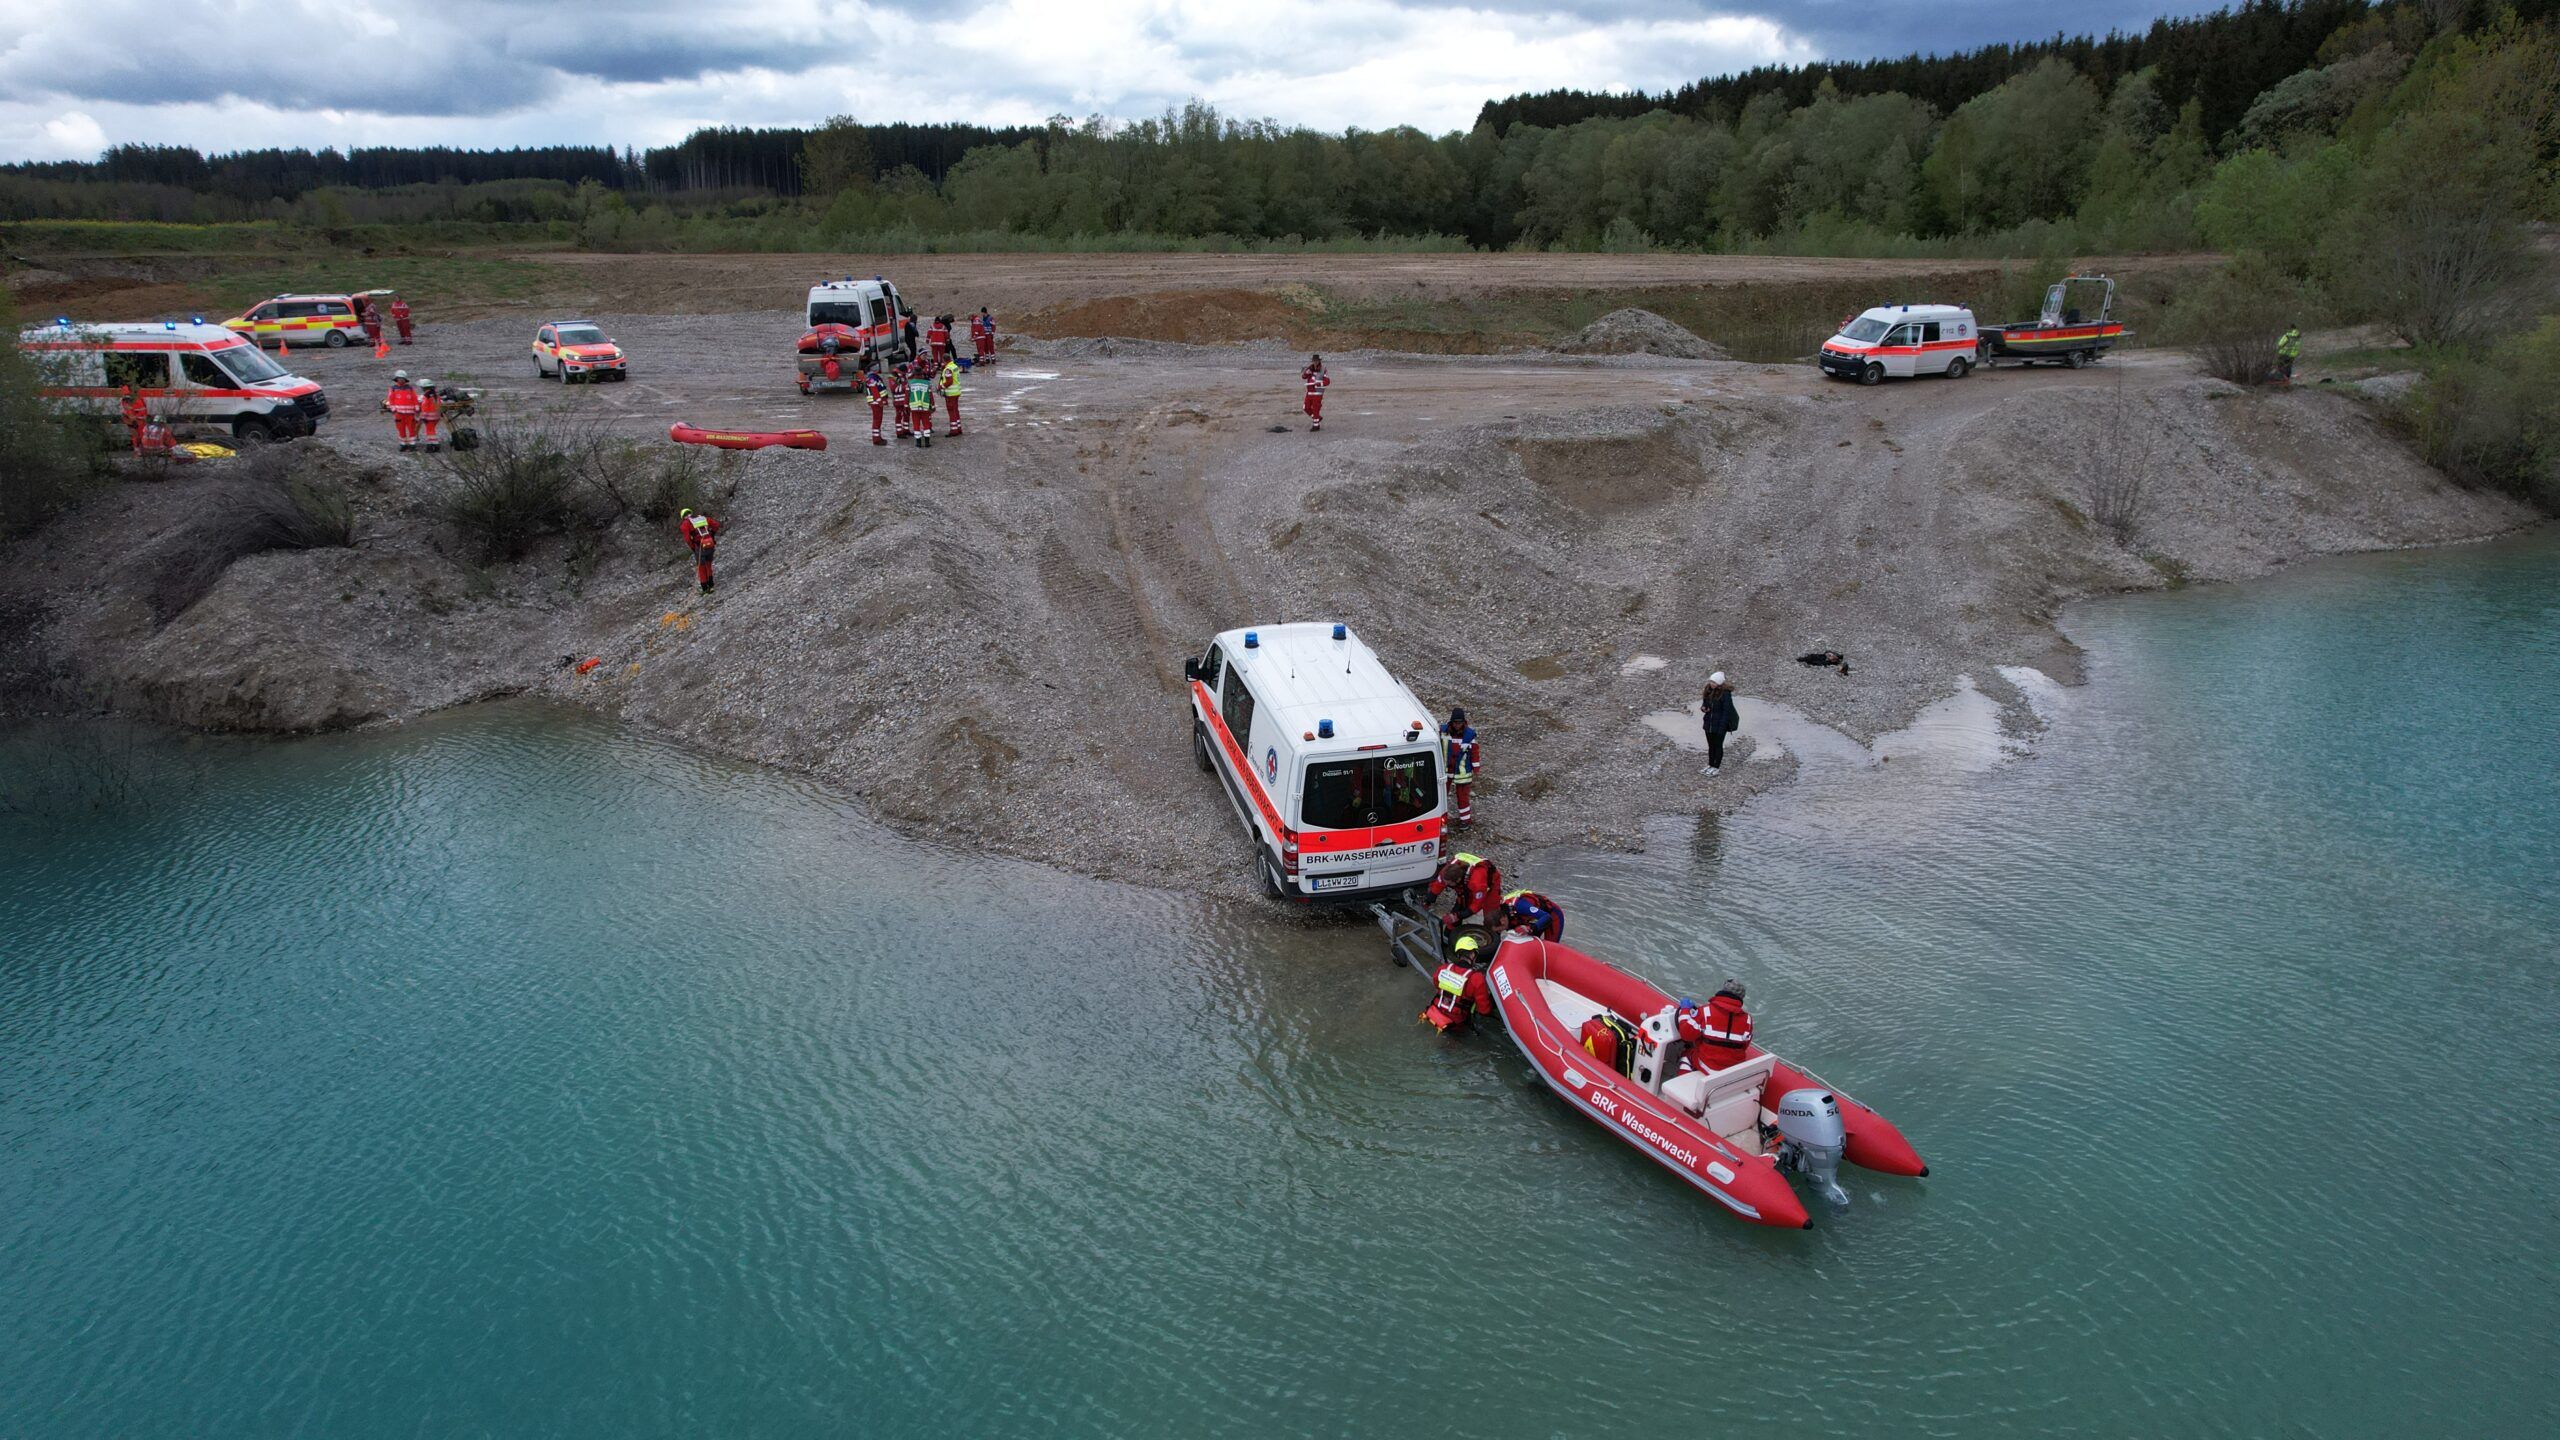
(1253, 639)
(1324, 729)
(1341, 632)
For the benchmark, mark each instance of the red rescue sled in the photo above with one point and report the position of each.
(684, 434)
(1735, 1133)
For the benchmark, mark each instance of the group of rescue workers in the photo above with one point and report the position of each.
(417, 413)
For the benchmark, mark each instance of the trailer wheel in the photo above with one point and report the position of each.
(1958, 368)
(1872, 375)
(2074, 359)
(1200, 746)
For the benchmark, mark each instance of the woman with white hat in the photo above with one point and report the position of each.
(1716, 713)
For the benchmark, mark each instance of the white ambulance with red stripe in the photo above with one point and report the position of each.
(1328, 759)
(194, 376)
(1903, 341)
(869, 308)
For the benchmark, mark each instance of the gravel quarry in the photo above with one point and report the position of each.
(983, 641)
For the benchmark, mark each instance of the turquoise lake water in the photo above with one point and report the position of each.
(510, 1074)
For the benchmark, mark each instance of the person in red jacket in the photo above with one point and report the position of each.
(402, 402)
(370, 319)
(1474, 887)
(400, 317)
(878, 391)
(1718, 1032)
(1459, 993)
(938, 335)
(1316, 381)
(982, 330)
(1529, 913)
(701, 536)
(137, 418)
(430, 416)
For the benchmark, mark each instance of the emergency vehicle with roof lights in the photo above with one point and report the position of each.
(1328, 759)
(191, 375)
(1903, 341)
(334, 320)
(870, 309)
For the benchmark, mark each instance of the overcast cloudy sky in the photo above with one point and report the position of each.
(227, 74)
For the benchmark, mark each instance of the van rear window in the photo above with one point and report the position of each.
(147, 369)
(1365, 790)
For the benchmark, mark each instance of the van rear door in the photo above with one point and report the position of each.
(1368, 819)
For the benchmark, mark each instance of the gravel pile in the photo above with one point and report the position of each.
(1640, 332)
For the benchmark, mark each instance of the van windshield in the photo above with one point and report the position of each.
(249, 365)
(1357, 791)
(836, 312)
(1866, 328)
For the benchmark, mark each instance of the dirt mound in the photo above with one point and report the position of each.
(1190, 317)
(1640, 332)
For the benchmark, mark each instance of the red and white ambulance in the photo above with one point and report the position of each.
(1330, 762)
(1903, 341)
(194, 376)
(869, 308)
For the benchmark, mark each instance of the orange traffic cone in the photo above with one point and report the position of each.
(381, 349)
(282, 347)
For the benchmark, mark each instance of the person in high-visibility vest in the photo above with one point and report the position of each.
(1530, 913)
(430, 416)
(1459, 993)
(701, 536)
(1459, 738)
(1474, 887)
(402, 402)
(400, 317)
(877, 390)
(1718, 1032)
(2288, 350)
(920, 405)
(1315, 380)
(951, 393)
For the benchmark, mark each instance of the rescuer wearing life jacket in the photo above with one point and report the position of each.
(1316, 381)
(1527, 912)
(400, 317)
(920, 404)
(1459, 739)
(877, 390)
(1718, 1032)
(430, 416)
(402, 402)
(1459, 992)
(2288, 350)
(1474, 887)
(951, 394)
(701, 536)
(137, 417)
(982, 329)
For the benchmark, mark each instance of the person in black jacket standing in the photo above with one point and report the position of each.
(1716, 713)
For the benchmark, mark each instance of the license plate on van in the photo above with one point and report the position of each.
(1333, 882)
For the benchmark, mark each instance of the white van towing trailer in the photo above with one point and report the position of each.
(1330, 762)
(1903, 341)
(870, 308)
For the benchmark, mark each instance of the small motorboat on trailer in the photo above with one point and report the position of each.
(1735, 1133)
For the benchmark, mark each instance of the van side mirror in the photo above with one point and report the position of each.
(1190, 668)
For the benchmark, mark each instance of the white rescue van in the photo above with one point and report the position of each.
(1903, 341)
(194, 376)
(1330, 762)
(870, 307)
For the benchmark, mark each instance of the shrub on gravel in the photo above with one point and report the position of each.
(525, 481)
(269, 500)
(2493, 420)
(47, 461)
(2233, 320)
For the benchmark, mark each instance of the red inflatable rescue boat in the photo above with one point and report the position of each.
(1735, 1133)
(684, 434)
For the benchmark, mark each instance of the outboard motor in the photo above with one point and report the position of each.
(1811, 1138)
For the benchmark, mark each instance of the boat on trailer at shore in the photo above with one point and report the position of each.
(2068, 332)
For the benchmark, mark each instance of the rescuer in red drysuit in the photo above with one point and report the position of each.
(938, 335)
(402, 402)
(400, 317)
(1718, 1032)
(878, 392)
(1529, 913)
(1474, 887)
(1459, 993)
(701, 536)
(1316, 381)
(430, 415)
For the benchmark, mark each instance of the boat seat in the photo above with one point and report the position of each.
(1726, 1101)
(1571, 1007)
